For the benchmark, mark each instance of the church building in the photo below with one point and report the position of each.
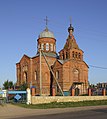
(62, 71)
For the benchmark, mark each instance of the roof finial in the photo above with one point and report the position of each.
(46, 20)
(70, 21)
(70, 29)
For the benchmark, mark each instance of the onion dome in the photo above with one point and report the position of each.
(71, 42)
(70, 28)
(46, 34)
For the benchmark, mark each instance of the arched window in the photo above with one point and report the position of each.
(51, 47)
(73, 54)
(42, 46)
(54, 47)
(62, 56)
(25, 77)
(47, 46)
(57, 74)
(76, 75)
(76, 54)
(46, 76)
(35, 75)
(79, 56)
(66, 55)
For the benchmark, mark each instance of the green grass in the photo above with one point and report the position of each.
(64, 104)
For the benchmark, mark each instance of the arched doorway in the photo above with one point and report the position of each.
(77, 91)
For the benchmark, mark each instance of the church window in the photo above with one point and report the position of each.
(25, 68)
(66, 55)
(46, 76)
(76, 54)
(73, 54)
(35, 75)
(25, 77)
(62, 56)
(42, 46)
(76, 75)
(51, 47)
(57, 74)
(54, 48)
(79, 56)
(47, 46)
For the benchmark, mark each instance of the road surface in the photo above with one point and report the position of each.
(89, 114)
(92, 112)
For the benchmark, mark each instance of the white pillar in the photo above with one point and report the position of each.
(28, 96)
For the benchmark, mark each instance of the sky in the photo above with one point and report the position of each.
(21, 22)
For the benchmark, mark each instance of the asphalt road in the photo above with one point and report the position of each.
(86, 114)
(9, 111)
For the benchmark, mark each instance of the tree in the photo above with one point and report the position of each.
(11, 84)
(8, 84)
(23, 86)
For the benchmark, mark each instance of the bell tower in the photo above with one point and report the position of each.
(71, 49)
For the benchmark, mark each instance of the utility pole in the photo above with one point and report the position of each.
(53, 74)
(40, 74)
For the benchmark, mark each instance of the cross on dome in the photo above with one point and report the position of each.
(46, 20)
(70, 20)
(70, 29)
(46, 33)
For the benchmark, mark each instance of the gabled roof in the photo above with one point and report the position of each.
(56, 62)
(25, 56)
(62, 61)
(71, 43)
(67, 60)
(49, 54)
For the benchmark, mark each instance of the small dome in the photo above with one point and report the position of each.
(46, 34)
(70, 28)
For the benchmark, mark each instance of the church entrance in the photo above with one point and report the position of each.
(78, 88)
(77, 91)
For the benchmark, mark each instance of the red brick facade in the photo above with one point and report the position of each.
(69, 68)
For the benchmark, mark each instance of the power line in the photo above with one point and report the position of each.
(98, 67)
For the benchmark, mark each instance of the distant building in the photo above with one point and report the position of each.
(68, 67)
(102, 85)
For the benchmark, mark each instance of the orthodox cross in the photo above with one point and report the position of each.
(46, 20)
(70, 21)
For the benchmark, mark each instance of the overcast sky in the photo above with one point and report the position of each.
(21, 21)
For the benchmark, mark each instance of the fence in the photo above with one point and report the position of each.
(72, 92)
(12, 96)
(30, 96)
(16, 96)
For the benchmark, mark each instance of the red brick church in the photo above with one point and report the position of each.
(47, 69)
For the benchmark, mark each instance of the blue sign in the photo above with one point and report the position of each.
(17, 97)
(16, 92)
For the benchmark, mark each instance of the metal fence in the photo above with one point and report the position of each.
(16, 96)
(13, 96)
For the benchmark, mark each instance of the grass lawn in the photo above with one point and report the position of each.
(64, 104)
